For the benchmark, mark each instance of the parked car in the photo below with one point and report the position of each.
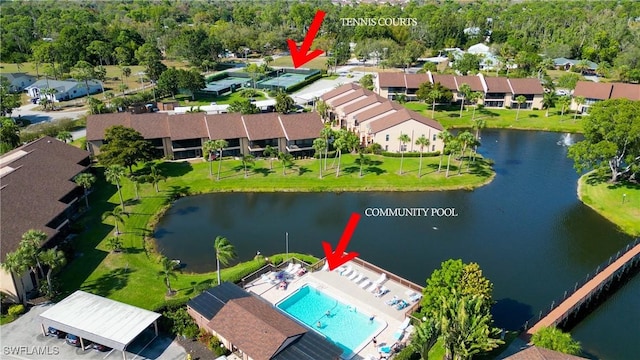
(55, 332)
(73, 340)
(101, 348)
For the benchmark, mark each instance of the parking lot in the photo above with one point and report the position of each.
(23, 340)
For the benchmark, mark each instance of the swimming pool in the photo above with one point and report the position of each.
(346, 326)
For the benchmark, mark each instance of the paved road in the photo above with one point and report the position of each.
(23, 340)
(28, 112)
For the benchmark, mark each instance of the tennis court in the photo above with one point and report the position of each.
(224, 85)
(284, 81)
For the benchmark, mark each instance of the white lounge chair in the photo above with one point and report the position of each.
(404, 324)
(413, 296)
(366, 282)
(325, 267)
(353, 275)
(341, 269)
(383, 290)
(294, 270)
(373, 287)
(381, 279)
(289, 267)
(358, 278)
(347, 270)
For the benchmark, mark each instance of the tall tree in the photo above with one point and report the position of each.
(465, 138)
(564, 102)
(225, 252)
(270, 152)
(422, 142)
(118, 215)
(580, 100)
(9, 135)
(15, 265)
(464, 90)
(452, 146)
(243, 106)
(286, 159)
(84, 71)
(554, 339)
(86, 180)
(29, 248)
(520, 99)
(114, 174)
(327, 133)
(167, 271)
(8, 100)
(124, 146)
(319, 145)
(247, 160)
(474, 97)
(611, 142)
(53, 259)
(445, 136)
(168, 82)
(220, 144)
(548, 101)
(284, 103)
(192, 81)
(64, 136)
(154, 177)
(404, 139)
(209, 149)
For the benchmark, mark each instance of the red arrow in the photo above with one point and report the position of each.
(339, 257)
(300, 56)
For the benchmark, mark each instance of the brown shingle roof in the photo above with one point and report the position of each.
(414, 80)
(254, 327)
(625, 91)
(526, 86)
(339, 91)
(497, 85)
(389, 79)
(301, 126)
(98, 124)
(448, 81)
(592, 90)
(359, 93)
(380, 109)
(31, 193)
(538, 353)
(187, 126)
(472, 81)
(262, 126)
(151, 126)
(401, 116)
(225, 126)
(369, 100)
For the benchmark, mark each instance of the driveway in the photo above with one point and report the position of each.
(28, 112)
(23, 340)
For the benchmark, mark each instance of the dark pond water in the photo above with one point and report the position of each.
(527, 230)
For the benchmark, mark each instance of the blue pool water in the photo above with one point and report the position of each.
(347, 327)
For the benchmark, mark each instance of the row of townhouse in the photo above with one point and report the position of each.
(182, 136)
(595, 92)
(499, 92)
(376, 119)
(37, 192)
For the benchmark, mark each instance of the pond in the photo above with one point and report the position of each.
(528, 231)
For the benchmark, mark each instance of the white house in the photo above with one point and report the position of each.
(479, 49)
(64, 89)
(18, 81)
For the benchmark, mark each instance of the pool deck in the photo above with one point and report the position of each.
(345, 290)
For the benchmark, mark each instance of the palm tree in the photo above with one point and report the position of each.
(520, 100)
(326, 133)
(422, 141)
(220, 145)
(225, 252)
(564, 102)
(246, 160)
(453, 146)
(323, 109)
(339, 144)
(208, 148)
(123, 88)
(53, 259)
(435, 94)
(463, 90)
(362, 159)
(445, 136)
(168, 271)
(118, 216)
(580, 100)
(15, 265)
(269, 151)
(466, 138)
(319, 145)
(113, 174)
(404, 138)
(64, 136)
(29, 248)
(136, 184)
(114, 243)
(126, 72)
(473, 98)
(155, 177)
(268, 60)
(548, 101)
(86, 180)
(286, 161)
(477, 125)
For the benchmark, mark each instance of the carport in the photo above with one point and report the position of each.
(98, 319)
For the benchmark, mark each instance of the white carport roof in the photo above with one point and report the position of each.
(101, 320)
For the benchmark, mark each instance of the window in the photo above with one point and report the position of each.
(387, 137)
(433, 148)
(386, 148)
(434, 137)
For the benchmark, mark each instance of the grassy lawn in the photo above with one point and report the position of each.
(205, 98)
(131, 276)
(502, 118)
(318, 63)
(607, 199)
